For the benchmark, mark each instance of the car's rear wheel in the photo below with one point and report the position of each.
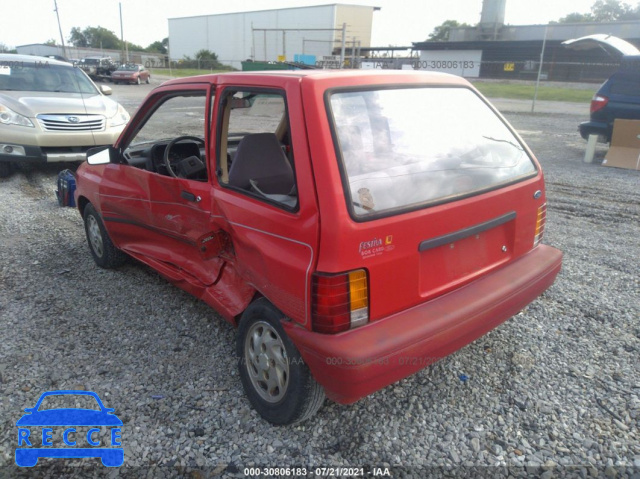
(276, 380)
(6, 169)
(104, 253)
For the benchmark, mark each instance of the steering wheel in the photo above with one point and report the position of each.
(167, 161)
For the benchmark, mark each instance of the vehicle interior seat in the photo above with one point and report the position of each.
(261, 166)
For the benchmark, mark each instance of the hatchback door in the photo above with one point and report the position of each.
(439, 191)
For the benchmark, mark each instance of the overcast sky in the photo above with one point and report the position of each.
(399, 22)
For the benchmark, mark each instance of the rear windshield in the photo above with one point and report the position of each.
(406, 148)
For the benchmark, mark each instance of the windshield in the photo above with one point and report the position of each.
(91, 61)
(45, 78)
(405, 148)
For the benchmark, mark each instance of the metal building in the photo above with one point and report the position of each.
(272, 35)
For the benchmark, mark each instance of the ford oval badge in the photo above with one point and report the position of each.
(537, 194)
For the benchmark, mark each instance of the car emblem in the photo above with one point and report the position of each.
(73, 119)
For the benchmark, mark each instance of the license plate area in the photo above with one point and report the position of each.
(450, 260)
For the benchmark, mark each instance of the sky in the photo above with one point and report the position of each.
(398, 23)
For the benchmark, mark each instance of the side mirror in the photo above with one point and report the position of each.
(102, 155)
(106, 90)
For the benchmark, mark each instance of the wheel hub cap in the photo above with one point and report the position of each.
(266, 361)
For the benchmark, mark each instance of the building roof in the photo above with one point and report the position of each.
(276, 9)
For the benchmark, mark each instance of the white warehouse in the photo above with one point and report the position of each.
(271, 35)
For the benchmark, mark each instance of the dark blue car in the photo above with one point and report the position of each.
(618, 97)
(28, 450)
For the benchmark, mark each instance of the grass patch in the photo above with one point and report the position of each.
(525, 92)
(183, 72)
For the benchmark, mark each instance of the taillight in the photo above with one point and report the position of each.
(540, 221)
(598, 102)
(339, 301)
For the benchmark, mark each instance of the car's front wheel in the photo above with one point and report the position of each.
(276, 380)
(104, 253)
(138, 81)
(148, 80)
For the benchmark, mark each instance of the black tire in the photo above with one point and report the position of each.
(138, 81)
(301, 396)
(104, 253)
(6, 169)
(148, 80)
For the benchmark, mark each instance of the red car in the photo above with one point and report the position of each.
(131, 73)
(355, 226)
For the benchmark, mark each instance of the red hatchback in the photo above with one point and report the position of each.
(131, 73)
(355, 226)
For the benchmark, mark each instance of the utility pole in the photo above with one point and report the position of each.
(122, 56)
(344, 35)
(64, 50)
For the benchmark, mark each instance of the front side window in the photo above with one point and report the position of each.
(256, 156)
(171, 142)
(405, 148)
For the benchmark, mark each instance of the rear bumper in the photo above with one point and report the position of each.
(359, 362)
(599, 128)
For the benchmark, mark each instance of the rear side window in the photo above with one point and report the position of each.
(406, 148)
(626, 83)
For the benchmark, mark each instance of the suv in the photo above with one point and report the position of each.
(51, 111)
(355, 226)
(617, 98)
(97, 67)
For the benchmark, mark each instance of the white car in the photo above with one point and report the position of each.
(50, 111)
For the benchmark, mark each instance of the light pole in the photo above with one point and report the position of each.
(64, 50)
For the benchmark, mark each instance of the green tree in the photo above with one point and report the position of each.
(51, 42)
(94, 37)
(6, 49)
(576, 18)
(158, 46)
(100, 37)
(441, 32)
(614, 10)
(605, 11)
(206, 55)
(77, 38)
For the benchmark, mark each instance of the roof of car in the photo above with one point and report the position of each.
(389, 76)
(14, 57)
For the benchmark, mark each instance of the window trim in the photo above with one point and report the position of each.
(425, 204)
(222, 139)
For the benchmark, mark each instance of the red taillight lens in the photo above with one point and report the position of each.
(598, 102)
(339, 301)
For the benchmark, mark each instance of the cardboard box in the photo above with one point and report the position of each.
(624, 151)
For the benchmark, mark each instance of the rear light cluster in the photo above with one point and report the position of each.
(540, 221)
(339, 301)
(598, 102)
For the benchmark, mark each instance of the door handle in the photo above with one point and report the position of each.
(187, 195)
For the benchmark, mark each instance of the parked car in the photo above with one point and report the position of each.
(131, 73)
(618, 97)
(51, 111)
(355, 226)
(98, 68)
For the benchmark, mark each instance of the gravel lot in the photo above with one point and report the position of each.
(553, 392)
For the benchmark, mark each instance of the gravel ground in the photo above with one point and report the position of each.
(553, 392)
